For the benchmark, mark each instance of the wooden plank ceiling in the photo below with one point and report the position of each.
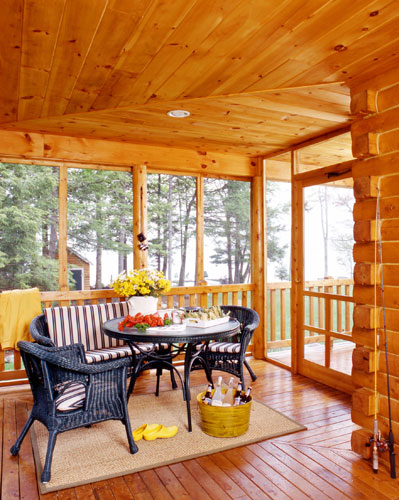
(256, 75)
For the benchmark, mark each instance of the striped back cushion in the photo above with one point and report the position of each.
(72, 324)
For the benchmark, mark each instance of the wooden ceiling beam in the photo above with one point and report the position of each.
(332, 173)
(310, 142)
(94, 152)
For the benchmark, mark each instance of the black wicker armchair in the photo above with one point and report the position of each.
(68, 393)
(230, 356)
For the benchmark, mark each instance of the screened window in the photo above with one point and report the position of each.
(172, 226)
(227, 234)
(100, 225)
(29, 227)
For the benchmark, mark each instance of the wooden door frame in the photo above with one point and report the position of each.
(299, 364)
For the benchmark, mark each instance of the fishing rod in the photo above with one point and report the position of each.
(380, 445)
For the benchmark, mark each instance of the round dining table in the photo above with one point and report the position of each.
(167, 344)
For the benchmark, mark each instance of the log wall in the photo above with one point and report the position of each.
(375, 144)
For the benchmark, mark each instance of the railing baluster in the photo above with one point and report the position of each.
(17, 360)
(339, 310)
(272, 315)
(320, 309)
(347, 310)
(327, 338)
(283, 334)
(2, 361)
(311, 310)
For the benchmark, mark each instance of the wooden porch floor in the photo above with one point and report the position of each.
(316, 463)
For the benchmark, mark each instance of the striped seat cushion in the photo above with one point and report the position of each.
(226, 347)
(94, 356)
(72, 397)
(72, 324)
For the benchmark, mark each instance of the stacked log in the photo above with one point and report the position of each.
(375, 142)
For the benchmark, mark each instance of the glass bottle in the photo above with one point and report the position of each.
(246, 396)
(237, 395)
(228, 399)
(207, 399)
(217, 398)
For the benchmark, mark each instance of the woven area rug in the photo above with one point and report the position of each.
(101, 452)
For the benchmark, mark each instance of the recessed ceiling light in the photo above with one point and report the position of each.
(179, 113)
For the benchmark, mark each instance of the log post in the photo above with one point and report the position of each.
(139, 216)
(297, 266)
(259, 257)
(62, 229)
(199, 268)
(375, 142)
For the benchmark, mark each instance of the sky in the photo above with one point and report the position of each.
(340, 228)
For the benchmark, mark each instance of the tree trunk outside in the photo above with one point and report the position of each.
(122, 258)
(229, 257)
(170, 229)
(45, 240)
(184, 244)
(99, 266)
(159, 222)
(53, 243)
(324, 225)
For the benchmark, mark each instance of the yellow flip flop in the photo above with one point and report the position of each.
(155, 431)
(139, 432)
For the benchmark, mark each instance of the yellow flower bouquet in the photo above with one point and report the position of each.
(141, 283)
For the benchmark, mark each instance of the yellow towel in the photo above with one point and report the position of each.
(17, 309)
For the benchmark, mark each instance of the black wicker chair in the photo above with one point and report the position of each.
(68, 393)
(230, 356)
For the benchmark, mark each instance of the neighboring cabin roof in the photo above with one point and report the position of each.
(80, 257)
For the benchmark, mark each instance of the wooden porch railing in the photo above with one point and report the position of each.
(328, 312)
(203, 296)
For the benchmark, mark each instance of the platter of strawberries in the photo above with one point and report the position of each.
(142, 322)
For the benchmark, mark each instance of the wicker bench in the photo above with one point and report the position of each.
(63, 326)
(69, 325)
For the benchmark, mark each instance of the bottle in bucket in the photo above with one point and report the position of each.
(208, 395)
(246, 396)
(237, 396)
(228, 399)
(217, 398)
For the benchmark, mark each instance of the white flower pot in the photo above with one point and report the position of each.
(143, 305)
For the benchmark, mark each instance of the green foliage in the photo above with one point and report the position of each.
(100, 213)
(26, 200)
(228, 221)
(100, 218)
(276, 251)
(171, 221)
